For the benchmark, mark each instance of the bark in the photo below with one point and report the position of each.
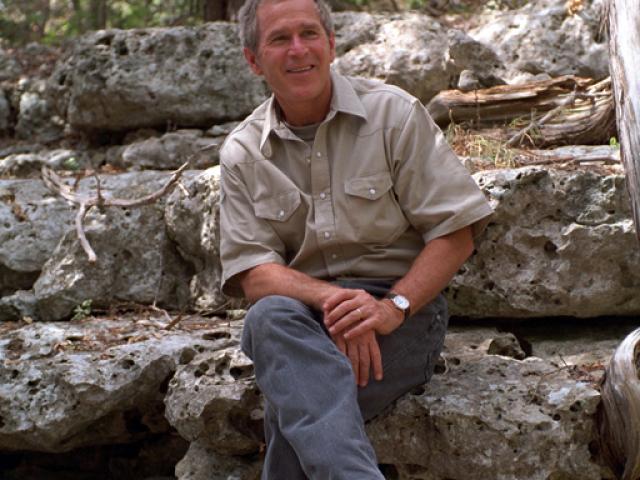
(214, 10)
(624, 45)
(620, 416)
(561, 111)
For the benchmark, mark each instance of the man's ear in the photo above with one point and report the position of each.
(252, 60)
(332, 46)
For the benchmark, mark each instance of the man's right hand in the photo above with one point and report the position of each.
(364, 354)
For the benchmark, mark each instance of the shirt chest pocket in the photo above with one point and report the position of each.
(373, 213)
(286, 215)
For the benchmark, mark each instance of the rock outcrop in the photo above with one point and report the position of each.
(134, 377)
(560, 243)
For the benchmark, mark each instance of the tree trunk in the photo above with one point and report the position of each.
(624, 45)
(98, 12)
(214, 10)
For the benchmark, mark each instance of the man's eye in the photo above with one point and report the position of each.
(309, 33)
(279, 39)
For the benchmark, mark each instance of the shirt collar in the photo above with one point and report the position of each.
(343, 99)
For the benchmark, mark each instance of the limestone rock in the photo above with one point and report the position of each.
(203, 463)
(492, 417)
(214, 400)
(29, 164)
(98, 382)
(170, 151)
(36, 118)
(32, 221)
(192, 219)
(543, 37)
(408, 50)
(137, 262)
(17, 306)
(162, 76)
(560, 243)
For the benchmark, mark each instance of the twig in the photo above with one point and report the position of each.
(174, 322)
(86, 246)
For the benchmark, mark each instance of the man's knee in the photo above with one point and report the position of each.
(267, 315)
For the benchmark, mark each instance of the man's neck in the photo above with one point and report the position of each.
(301, 114)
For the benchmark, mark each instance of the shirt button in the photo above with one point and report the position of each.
(323, 195)
(372, 191)
(318, 154)
(281, 213)
(334, 256)
(327, 234)
(308, 159)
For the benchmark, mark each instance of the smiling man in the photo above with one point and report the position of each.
(343, 215)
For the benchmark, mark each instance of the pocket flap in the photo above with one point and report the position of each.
(278, 208)
(371, 187)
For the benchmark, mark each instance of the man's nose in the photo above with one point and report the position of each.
(297, 46)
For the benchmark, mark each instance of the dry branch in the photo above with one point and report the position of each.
(564, 110)
(57, 185)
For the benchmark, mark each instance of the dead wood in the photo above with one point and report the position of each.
(624, 45)
(562, 111)
(57, 185)
(620, 419)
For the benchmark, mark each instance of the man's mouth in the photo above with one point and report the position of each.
(300, 69)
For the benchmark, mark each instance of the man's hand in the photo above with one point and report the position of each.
(363, 353)
(362, 312)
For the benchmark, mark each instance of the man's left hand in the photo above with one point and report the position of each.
(362, 312)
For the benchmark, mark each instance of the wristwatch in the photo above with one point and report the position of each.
(400, 302)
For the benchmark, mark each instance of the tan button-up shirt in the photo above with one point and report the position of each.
(378, 182)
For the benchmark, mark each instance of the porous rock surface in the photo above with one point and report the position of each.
(137, 262)
(546, 38)
(560, 243)
(97, 382)
(181, 76)
(103, 381)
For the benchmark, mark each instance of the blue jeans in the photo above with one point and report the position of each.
(314, 410)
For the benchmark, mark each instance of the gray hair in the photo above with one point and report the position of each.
(248, 22)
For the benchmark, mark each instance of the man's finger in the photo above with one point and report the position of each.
(376, 360)
(354, 357)
(354, 316)
(365, 364)
(340, 310)
(360, 329)
(337, 298)
(341, 344)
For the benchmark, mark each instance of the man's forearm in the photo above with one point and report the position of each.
(275, 279)
(434, 267)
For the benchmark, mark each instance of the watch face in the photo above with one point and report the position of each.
(401, 302)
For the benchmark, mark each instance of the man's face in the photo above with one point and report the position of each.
(294, 53)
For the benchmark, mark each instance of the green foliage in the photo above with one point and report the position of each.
(82, 311)
(613, 142)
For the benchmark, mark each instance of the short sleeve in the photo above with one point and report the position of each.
(436, 192)
(245, 239)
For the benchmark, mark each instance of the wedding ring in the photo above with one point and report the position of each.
(360, 313)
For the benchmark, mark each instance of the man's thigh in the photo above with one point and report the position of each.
(409, 353)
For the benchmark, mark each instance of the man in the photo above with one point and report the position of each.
(343, 215)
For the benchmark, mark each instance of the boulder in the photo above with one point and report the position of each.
(29, 164)
(137, 262)
(170, 151)
(214, 400)
(547, 38)
(36, 119)
(203, 463)
(95, 382)
(491, 416)
(32, 221)
(192, 219)
(118, 80)
(561, 242)
(407, 50)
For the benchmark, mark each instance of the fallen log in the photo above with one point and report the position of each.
(566, 110)
(620, 418)
(624, 45)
